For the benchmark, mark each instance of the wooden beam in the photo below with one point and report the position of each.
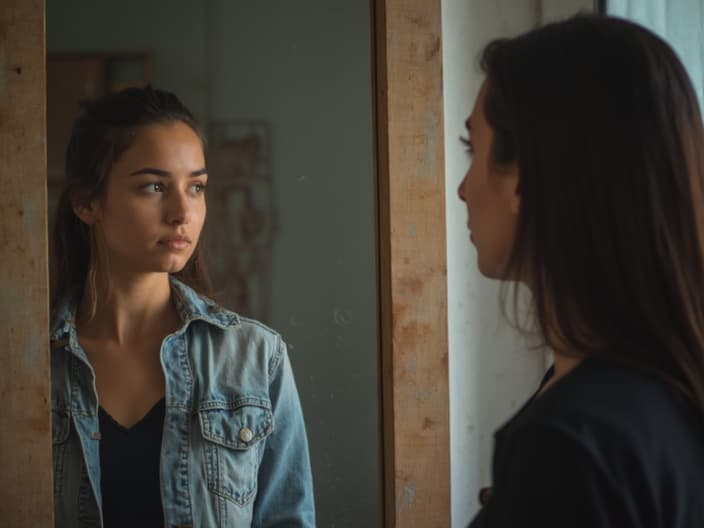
(412, 254)
(26, 496)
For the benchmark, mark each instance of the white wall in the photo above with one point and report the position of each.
(492, 371)
(551, 10)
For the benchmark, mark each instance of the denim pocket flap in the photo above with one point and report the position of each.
(236, 425)
(60, 426)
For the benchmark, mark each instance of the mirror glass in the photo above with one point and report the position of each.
(284, 93)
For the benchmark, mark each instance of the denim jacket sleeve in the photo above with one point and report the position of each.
(285, 484)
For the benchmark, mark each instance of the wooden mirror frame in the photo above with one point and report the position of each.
(413, 262)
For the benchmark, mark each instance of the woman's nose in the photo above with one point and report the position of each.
(178, 211)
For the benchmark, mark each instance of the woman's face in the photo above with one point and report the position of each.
(491, 196)
(153, 209)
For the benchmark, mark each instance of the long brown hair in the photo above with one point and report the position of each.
(604, 124)
(105, 129)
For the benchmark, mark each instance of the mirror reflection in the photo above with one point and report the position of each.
(281, 97)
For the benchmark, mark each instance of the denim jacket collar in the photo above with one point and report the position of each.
(63, 317)
(192, 306)
(189, 304)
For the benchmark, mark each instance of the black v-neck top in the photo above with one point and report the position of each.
(604, 446)
(129, 469)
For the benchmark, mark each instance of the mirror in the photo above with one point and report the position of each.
(284, 92)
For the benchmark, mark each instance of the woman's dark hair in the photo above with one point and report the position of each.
(103, 132)
(604, 125)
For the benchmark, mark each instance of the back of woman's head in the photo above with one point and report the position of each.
(603, 122)
(106, 128)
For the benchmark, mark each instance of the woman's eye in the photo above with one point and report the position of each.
(199, 187)
(154, 187)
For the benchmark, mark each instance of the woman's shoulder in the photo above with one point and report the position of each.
(217, 329)
(609, 409)
(62, 316)
(607, 387)
(609, 426)
(193, 305)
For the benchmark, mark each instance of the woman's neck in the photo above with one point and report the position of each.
(563, 365)
(128, 308)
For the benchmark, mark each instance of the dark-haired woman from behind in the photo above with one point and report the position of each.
(167, 409)
(587, 185)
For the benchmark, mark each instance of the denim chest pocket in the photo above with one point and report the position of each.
(234, 433)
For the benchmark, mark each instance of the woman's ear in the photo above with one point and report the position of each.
(516, 199)
(84, 208)
(515, 189)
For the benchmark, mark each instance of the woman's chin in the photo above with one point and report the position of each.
(489, 274)
(490, 270)
(173, 265)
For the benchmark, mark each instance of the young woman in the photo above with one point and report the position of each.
(587, 185)
(167, 410)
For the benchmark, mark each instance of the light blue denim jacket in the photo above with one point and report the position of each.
(234, 451)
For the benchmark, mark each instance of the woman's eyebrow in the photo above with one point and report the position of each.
(165, 174)
(150, 170)
(468, 124)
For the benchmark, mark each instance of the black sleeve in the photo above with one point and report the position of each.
(548, 480)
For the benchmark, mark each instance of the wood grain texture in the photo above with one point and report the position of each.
(412, 252)
(25, 434)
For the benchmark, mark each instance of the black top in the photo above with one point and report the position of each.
(129, 469)
(604, 446)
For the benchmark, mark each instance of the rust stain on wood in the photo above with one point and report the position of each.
(429, 423)
(433, 48)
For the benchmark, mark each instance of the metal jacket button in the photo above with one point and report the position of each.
(246, 434)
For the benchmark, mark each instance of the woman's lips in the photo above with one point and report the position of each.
(177, 243)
